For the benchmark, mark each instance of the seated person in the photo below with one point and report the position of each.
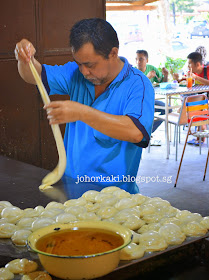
(199, 72)
(155, 76)
(201, 75)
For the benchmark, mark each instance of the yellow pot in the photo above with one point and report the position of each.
(80, 267)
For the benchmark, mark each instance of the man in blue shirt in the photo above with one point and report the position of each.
(110, 112)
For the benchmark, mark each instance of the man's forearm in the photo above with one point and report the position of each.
(118, 127)
(201, 80)
(25, 72)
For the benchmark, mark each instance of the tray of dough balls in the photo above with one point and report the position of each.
(156, 225)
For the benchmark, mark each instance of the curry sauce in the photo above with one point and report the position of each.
(79, 242)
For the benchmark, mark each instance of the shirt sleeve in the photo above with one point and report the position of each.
(56, 79)
(140, 108)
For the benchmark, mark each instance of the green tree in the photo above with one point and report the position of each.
(181, 6)
(186, 6)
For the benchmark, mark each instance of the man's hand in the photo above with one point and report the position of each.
(151, 74)
(24, 50)
(59, 112)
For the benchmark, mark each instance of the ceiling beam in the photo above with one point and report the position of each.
(140, 3)
(130, 8)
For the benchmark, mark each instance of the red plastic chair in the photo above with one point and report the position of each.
(197, 115)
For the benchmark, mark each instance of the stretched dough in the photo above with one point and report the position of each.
(59, 170)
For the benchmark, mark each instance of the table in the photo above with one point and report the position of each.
(167, 93)
(19, 185)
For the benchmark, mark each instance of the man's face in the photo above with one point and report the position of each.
(192, 65)
(141, 61)
(94, 67)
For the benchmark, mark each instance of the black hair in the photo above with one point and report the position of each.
(145, 53)
(195, 57)
(96, 31)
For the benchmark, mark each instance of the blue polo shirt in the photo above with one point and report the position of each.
(93, 157)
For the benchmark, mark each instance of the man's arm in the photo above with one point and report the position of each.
(200, 79)
(24, 51)
(118, 127)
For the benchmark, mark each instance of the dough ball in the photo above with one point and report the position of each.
(76, 210)
(147, 209)
(81, 201)
(194, 229)
(88, 216)
(4, 204)
(25, 223)
(152, 241)
(172, 234)
(41, 222)
(139, 198)
(191, 217)
(111, 201)
(124, 214)
(65, 218)
(51, 213)
(21, 266)
(106, 212)
(205, 222)
(132, 251)
(92, 207)
(172, 220)
(54, 204)
(133, 222)
(4, 221)
(110, 189)
(30, 213)
(121, 194)
(124, 203)
(101, 197)
(39, 209)
(37, 275)
(149, 227)
(19, 238)
(90, 195)
(6, 274)
(7, 230)
(12, 213)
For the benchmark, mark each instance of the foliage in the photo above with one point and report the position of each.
(174, 65)
(183, 6)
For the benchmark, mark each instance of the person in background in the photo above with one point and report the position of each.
(202, 50)
(155, 76)
(110, 113)
(200, 73)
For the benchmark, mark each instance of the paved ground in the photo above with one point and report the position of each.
(158, 175)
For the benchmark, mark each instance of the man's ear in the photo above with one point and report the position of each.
(113, 53)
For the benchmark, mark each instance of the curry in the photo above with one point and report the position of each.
(79, 242)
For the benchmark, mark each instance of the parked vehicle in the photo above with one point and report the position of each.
(200, 28)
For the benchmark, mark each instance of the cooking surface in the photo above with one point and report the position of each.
(19, 185)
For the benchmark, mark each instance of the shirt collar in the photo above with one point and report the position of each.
(123, 73)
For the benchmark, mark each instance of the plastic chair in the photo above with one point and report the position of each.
(197, 115)
(177, 119)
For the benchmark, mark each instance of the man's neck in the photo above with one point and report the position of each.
(143, 69)
(200, 69)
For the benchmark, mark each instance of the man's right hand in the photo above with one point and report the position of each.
(151, 74)
(24, 51)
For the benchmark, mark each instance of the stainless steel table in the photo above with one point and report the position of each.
(167, 93)
(19, 184)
